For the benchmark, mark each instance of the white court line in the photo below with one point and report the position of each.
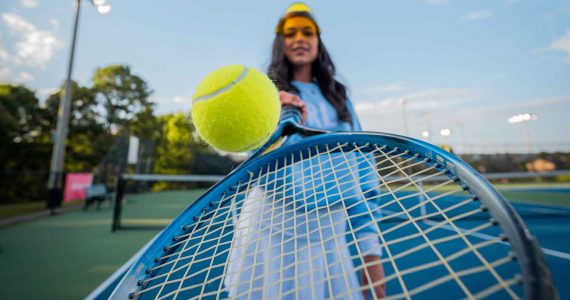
(484, 236)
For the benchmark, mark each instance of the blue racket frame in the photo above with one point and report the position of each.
(535, 275)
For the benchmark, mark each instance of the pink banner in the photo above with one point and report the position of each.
(75, 185)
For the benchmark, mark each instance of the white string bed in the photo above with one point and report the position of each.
(291, 231)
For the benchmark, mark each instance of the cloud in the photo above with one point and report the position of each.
(476, 15)
(562, 44)
(29, 3)
(8, 76)
(4, 56)
(34, 47)
(54, 24)
(381, 89)
(180, 99)
(44, 93)
(426, 99)
(516, 107)
(166, 105)
(435, 2)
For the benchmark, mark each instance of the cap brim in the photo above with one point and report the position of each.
(279, 27)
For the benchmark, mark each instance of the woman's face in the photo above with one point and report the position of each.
(301, 41)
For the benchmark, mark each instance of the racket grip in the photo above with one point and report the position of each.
(292, 113)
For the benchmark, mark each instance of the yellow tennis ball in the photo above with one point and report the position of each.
(236, 108)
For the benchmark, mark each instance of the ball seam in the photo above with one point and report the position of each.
(225, 88)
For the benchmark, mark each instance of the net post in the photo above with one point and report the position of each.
(422, 198)
(120, 191)
(120, 183)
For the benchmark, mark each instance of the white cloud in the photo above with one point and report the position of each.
(427, 99)
(166, 105)
(5, 74)
(562, 44)
(54, 24)
(476, 15)
(516, 107)
(3, 53)
(25, 76)
(8, 76)
(435, 2)
(43, 93)
(381, 89)
(29, 3)
(180, 99)
(34, 47)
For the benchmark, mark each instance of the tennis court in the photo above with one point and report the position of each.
(67, 256)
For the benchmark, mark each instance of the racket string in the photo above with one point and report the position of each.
(204, 250)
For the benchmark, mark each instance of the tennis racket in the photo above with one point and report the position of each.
(299, 221)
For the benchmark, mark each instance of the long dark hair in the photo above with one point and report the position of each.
(281, 72)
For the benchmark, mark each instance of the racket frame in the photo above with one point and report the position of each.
(535, 275)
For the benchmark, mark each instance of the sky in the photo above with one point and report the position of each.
(410, 66)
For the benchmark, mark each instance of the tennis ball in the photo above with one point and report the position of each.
(236, 108)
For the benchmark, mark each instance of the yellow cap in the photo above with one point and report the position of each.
(296, 9)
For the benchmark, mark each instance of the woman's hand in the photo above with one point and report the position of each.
(375, 273)
(292, 99)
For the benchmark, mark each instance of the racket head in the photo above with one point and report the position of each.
(526, 273)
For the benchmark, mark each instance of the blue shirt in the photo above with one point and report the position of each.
(333, 188)
(320, 113)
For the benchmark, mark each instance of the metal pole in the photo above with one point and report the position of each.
(527, 136)
(55, 181)
(404, 116)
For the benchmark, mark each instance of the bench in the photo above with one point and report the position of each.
(97, 193)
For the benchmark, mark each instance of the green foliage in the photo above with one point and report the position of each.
(122, 94)
(87, 140)
(24, 156)
(117, 101)
(18, 106)
(177, 147)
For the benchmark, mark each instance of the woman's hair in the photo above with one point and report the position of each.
(281, 72)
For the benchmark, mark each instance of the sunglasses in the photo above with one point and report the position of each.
(306, 32)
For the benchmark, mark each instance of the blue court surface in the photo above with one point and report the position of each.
(462, 236)
(65, 241)
(551, 226)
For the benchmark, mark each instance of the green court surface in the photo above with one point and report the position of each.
(69, 255)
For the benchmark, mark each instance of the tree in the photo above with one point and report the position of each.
(122, 95)
(177, 147)
(87, 141)
(20, 128)
(24, 157)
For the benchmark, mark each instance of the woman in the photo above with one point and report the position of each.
(306, 267)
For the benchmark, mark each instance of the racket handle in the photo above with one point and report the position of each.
(291, 113)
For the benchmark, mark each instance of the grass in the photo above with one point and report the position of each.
(18, 209)
(11, 210)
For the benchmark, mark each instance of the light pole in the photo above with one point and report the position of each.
(524, 119)
(461, 126)
(404, 116)
(55, 181)
(446, 132)
(426, 117)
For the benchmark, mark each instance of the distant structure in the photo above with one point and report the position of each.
(540, 165)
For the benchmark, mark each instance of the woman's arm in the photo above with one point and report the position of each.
(373, 270)
(375, 273)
